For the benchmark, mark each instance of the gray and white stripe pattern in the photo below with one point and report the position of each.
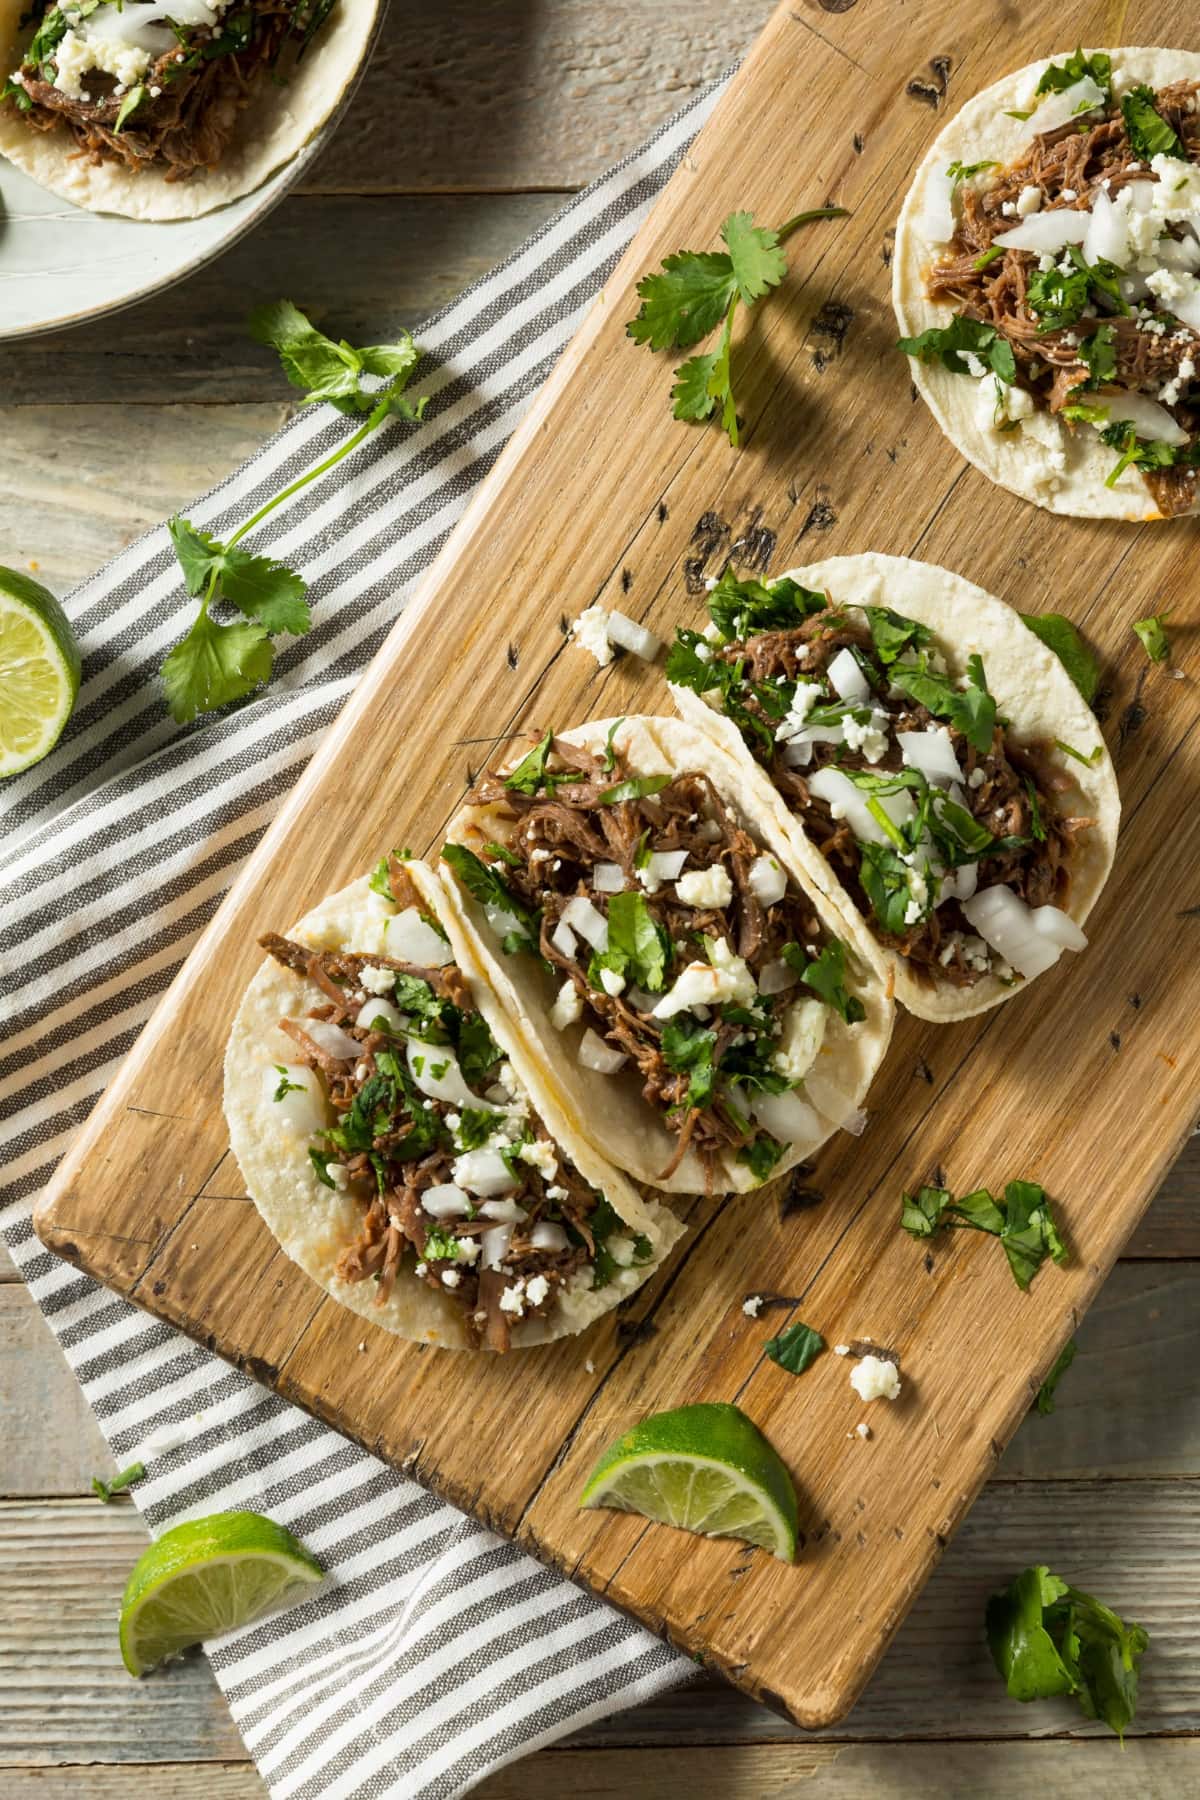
(435, 1652)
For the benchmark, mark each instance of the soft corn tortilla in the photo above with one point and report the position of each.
(277, 123)
(1041, 459)
(314, 1225)
(608, 1110)
(1032, 690)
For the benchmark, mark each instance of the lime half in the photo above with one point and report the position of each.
(39, 671)
(205, 1577)
(705, 1468)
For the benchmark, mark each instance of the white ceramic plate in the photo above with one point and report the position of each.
(60, 265)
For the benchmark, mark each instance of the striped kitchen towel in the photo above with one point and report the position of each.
(435, 1652)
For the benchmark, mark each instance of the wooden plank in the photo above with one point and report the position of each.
(62, 516)
(1171, 1226)
(166, 1781)
(508, 95)
(68, 1699)
(577, 501)
(1115, 1415)
(403, 259)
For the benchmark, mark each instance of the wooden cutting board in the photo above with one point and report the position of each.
(1088, 1084)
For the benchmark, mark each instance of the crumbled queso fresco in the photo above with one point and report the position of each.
(873, 1378)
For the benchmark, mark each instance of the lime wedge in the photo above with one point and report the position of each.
(39, 671)
(205, 1577)
(705, 1468)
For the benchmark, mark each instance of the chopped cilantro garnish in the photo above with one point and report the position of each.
(1023, 1222)
(960, 171)
(1060, 76)
(636, 937)
(1149, 133)
(475, 1127)
(1140, 453)
(1045, 1394)
(688, 1047)
(284, 1086)
(638, 787)
(609, 760)
(320, 1160)
(1152, 635)
(1048, 1638)
(484, 885)
(951, 343)
(892, 635)
(1058, 634)
(796, 1348)
(761, 1156)
(530, 773)
(826, 976)
(744, 608)
(440, 1246)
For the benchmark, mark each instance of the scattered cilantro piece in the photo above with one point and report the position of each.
(921, 1213)
(636, 788)
(892, 635)
(1045, 1394)
(1152, 635)
(885, 879)
(1099, 352)
(826, 976)
(478, 1051)
(1089, 762)
(636, 937)
(129, 105)
(970, 710)
(284, 1086)
(1048, 1638)
(440, 1246)
(960, 171)
(320, 1160)
(1058, 634)
(695, 291)
(1142, 453)
(501, 853)
(475, 1127)
(1024, 1223)
(104, 1490)
(609, 760)
(1065, 74)
(484, 885)
(950, 343)
(989, 257)
(1149, 133)
(381, 875)
(218, 663)
(744, 608)
(688, 1047)
(796, 1348)
(530, 773)
(1058, 300)
(761, 1156)
(1036, 829)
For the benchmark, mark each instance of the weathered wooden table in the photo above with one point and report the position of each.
(472, 126)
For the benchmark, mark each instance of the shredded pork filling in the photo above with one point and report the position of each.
(192, 94)
(1016, 781)
(398, 1143)
(1067, 167)
(558, 840)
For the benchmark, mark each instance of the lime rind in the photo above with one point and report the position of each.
(39, 671)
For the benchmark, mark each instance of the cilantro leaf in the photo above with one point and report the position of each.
(761, 1156)
(475, 1127)
(885, 879)
(1029, 1233)
(950, 343)
(1057, 300)
(921, 1213)
(757, 261)
(609, 760)
(1058, 634)
(1060, 76)
(796, 1348)
(744, 608)
(530, 772)
(1049, 1638)
(1099, 352)
(284, 1086)
(484, 885)
(970, 710)
(705, 381)
(960, 171)
(638, 787)
(129, 105)
(1045, 1394)
(320, 1160)
(635, 935)
(688, 1047)
(265, 590)
(1143, 453)
(381, 875)
(685, 302)
(893, 634)
(478, 1051)
(215, 664)
(400, 358)
(327, 370)
(1152, 635)
(1149, 133)
(826, 976)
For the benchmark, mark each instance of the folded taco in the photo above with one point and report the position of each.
(166, 110)
(396, 1137)
(699, 1014)
(920, 756)
(1047, 278)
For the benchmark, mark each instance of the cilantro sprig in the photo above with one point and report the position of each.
(698, 290)
(1022, 1221)
(1047, 1637)
(220, 661)
(1149, 133)
(1151, 633)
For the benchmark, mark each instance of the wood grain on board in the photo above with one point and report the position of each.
(1087, 1087)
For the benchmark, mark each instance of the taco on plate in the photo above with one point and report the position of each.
(702, 1016)
(1047, 278)
(165, 109)
(921, 757)
(396, 1136)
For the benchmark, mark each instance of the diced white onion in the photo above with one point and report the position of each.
(449, 1085)
(632, 636)
(1059, 927)
(484, 1172)
(505, 1212)
(502, 921)
(546, 1235)
(838, 790)
(608, 878)
(936, 221)
(1149, 420)
(446, 1201)
(1081, 97)
(493, 1246)
(932, 753)
(847, 678)
(583, 917)
(409, 938)
(1046, 233)
(797, 753)
(563, 938)
(380, 1015)
(303, 1109)
(1003, 920)
(766, 880)
(777, 978)
(1186, 305)
(833, 1104)
(594, 1053)
(665, 865)
(1141, 194)
(788, 1117)
(960, 883)
(1107, 238)
(331, 1038)
(140, 25)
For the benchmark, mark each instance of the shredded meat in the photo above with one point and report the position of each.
(1049, 365)
(559, 837)
(188, 122)
(389, 1183)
